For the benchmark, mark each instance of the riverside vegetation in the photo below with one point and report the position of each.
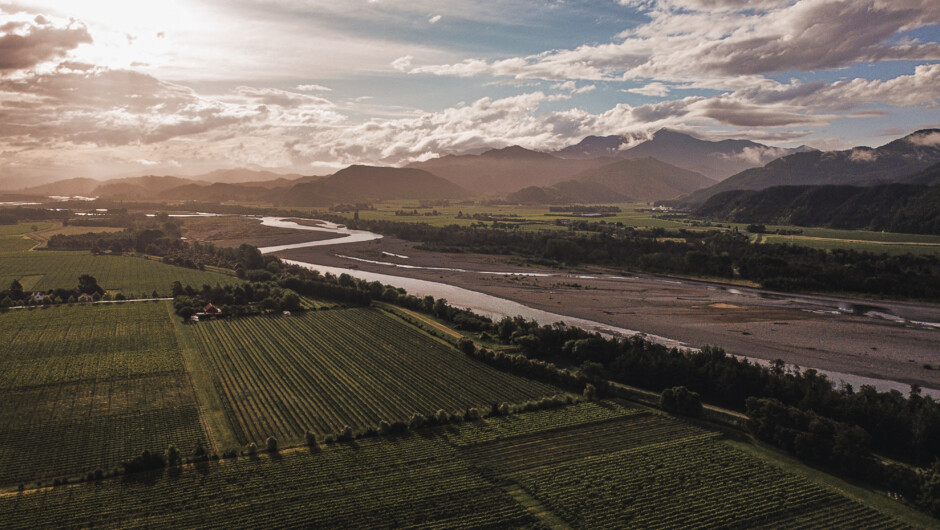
(242, 398)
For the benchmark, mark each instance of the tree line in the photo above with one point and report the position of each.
(719, 254)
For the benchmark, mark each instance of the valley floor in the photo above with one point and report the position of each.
(877, 339)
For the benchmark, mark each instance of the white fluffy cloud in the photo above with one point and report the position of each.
(716, 42)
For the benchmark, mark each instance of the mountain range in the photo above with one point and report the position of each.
(638, 173)
(901, 160)
(716, 160)
(500, 171)
(640, 179)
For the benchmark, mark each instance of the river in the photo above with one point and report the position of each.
(496, 307)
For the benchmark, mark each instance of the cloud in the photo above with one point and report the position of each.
(283, 98)
(930, 139)
(435, 19)
(314, 88)
(573, 88)
(727, 44)
(27, 43)
(654, 89)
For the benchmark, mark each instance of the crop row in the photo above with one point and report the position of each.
(74, 330)
(281, 376)
(377, 484)
(539, 422)
(127, 274)
(695, 482)
(88, 387)
(554, 447)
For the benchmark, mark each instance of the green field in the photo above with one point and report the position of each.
(627, 468)
(13, 237)
(322, 370)
(530, 217)
(890, 244)
(640, 215)
(87, 387)
(45, 269)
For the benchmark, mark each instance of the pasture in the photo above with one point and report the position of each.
(43, 270)
(87, 387)
(322, 370)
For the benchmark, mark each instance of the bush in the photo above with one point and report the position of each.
(466, 346)
(416, 421)
(310, 438)
(346, 435)
(173, 456)
(145, 461)
(272, 444)
(681, 401)
(384, 427)
(252, 449)
(590, 392)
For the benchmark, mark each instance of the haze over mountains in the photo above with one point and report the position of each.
(896, 161)
(640, 179)
(717, 160)
(653, 170)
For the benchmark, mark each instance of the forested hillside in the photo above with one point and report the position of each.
(906, 208)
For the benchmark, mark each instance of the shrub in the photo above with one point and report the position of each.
(145, 461)
(466, 346)
(173, 456)
(590, 392)
(252, 449)
(681, 401)
(384, 427)
(272, 444)
(346, 435)
(310, 438)
(200, 453)
(505, 409)
(416, 421)
(473, 414)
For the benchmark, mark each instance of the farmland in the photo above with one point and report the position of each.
(624, 467)
(322, 370)
(43, 270)
(86, 387)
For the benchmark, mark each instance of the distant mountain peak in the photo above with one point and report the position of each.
(516, 151)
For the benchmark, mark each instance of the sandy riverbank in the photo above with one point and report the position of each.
(802, 330)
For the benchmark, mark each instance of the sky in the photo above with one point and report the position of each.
(104, 88)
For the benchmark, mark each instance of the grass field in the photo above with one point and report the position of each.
(890, 244)
(87, 387)
(25, 236)
(640, 215)
(280, 376)
(43, 270)
(623, 468)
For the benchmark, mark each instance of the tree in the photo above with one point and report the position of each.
(272, 444)
(590, 392)
(16, 289)
(346, 435)
(311, 439)
(466, 346)
(173, 456)
(680, 400)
